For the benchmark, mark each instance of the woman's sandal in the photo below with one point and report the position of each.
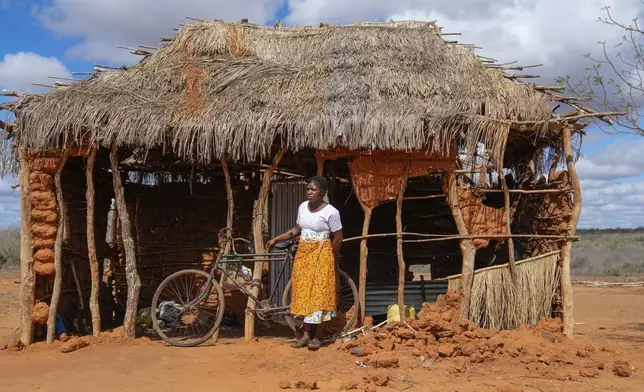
(314, 344)
(300, 343)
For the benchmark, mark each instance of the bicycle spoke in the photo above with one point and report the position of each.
(189, 315)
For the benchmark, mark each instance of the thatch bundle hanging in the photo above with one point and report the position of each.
(499, 304)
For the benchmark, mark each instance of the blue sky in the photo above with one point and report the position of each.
(55, 37)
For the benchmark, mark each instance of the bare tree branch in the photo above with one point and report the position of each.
(615, 82)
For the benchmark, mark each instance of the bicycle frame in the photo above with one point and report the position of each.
(285, 256)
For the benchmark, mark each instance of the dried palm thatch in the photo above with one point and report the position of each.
(497, 303)
(220, 88)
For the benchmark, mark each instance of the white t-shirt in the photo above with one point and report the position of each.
(318, 226)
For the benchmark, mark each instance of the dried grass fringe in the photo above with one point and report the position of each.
(399, 87)
(498, 304)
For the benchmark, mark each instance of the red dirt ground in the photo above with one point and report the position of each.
(611, 318)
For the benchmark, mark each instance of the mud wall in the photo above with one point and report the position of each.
(546, 213)
(44, 227)
(480, 218)
(76, 281)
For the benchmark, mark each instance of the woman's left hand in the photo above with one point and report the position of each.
(270, 244)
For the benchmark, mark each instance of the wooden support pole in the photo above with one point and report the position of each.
(364, 250)
(566, 253)
(320, 165)
(79, 291)
(27, 275)
(94, 306)
(332, 187)
(67, 234)
(113, 219)
(468, 249)
(58, 251)
(258, 218)
(553, 167)
(364, 256)
(229, 221)
(229, 198)
(399, 244)
(132, 275)
(508, 213)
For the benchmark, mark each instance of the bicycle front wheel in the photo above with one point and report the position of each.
(346, 305)
(187, 308)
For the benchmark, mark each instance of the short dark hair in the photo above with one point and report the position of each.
(320, 182)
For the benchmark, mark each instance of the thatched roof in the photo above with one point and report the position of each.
(220, 88)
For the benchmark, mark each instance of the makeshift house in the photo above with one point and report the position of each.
(436, 155)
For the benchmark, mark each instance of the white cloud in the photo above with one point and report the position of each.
(552, 32)
(612, 204)
(19, 70)
(621, 159)
(613, 186)
(102, 24)
(594, 171)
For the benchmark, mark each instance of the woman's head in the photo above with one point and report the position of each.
(316, 188)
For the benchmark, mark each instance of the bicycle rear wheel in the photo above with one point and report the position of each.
(346, 302)
(187, 308)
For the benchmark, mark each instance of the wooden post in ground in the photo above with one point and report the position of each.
(94, 306)
(58, 250)
(468, 249)
(399, 243)
(508, 214)
(229, 221)
(258, 218)
(566, 253)
(364, 256)
(364, 251)
(27, 275)
(131, 274)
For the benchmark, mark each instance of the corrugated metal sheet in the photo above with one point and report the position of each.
(285, 199)
(379, 297)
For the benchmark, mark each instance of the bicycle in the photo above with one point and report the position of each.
(192, 317)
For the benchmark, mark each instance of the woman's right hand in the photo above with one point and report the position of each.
(270, 244)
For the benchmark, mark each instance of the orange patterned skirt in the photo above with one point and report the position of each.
(314, 290)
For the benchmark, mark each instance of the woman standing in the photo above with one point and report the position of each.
(320, 236)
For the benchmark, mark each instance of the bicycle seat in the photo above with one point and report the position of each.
(283, 245)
